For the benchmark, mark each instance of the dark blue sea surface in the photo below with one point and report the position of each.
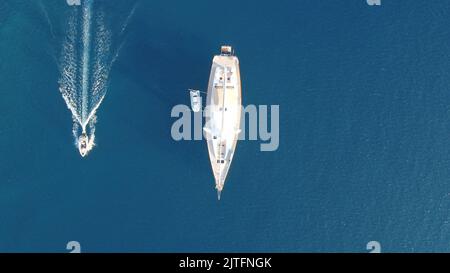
(364, 95)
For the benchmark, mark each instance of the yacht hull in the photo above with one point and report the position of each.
(223, 115)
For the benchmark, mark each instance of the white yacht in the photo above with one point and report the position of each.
(196, 100)
(223, 113)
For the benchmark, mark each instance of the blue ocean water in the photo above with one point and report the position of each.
(364, 130)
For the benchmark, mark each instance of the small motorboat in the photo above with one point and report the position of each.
(83, 142)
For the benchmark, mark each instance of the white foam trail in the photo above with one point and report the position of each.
(85, 65)
(47, 18)
(102, 65)
(87, 15)
(69, 69)
(127, 21)
(92, 122)
(75, 129)
(92, 118)
(100, 74)
(124, 27)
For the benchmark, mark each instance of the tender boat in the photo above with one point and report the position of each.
(196, 100)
